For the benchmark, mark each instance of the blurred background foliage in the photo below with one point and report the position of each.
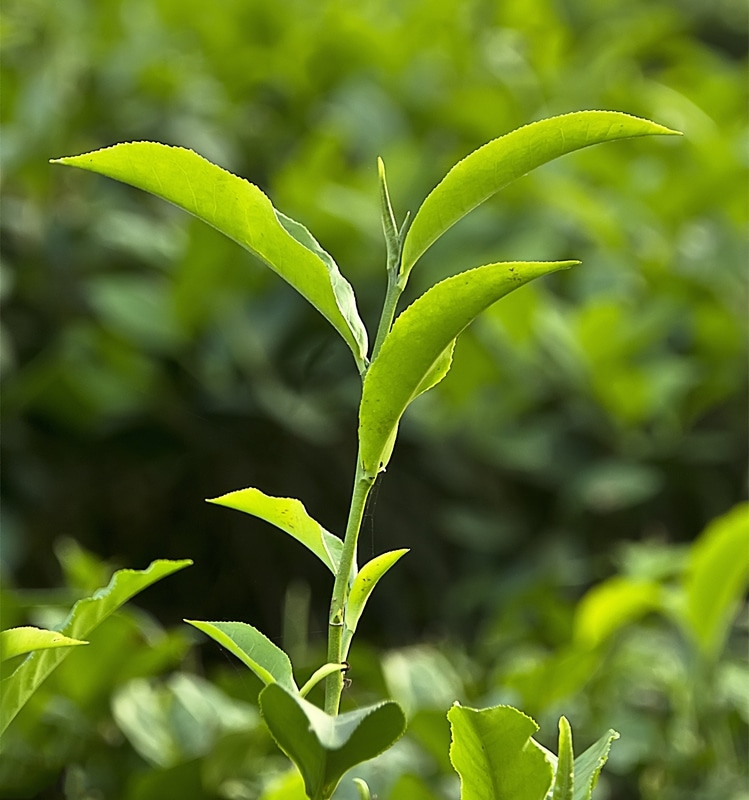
(593, 420)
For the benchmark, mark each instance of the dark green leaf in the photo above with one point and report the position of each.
(325, 747)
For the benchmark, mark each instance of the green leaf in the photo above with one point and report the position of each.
(363, 585)
(487, 170)
(416, 351)
(252, 648)
(85, 615)
(589, 764)
(389, 225)
(611, 605)
(290, 516)
(495, 755)
(564, 776)
(325, 747)
(319, 674)
(716, 579)
(18, 641)
(242, 212)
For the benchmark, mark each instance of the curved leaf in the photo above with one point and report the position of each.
(487, 170)
(85, 615)
(252, 648)
(319, 674)
(242, 212)
(18, 641)
(290, 516)
(417, 343)
(589, 764)
(716, 579)
(495, 756)
(364, 583)
(325, 747)
(612, 604)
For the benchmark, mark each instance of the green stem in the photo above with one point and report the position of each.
(392, 295)
(344, 575)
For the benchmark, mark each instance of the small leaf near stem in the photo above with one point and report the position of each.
(389, 226)
(564, 775)
(394, 247)
(319, 674)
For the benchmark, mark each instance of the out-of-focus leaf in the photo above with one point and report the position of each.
(83, 618)
(611, 605)
(17, 641)
(177, 720)
(716, 578)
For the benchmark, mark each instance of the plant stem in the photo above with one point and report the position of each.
(392, 295)
(344, 575)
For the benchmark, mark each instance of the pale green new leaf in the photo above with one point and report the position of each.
(487, 170)
(589, 764)
(85, 615)
(716, 578)
(364, 583)
(363, 789)
(564, 776)
(252, 648)
(18, 641)
(290, 516)
(494, 754)
(319, 674)
(417, 350)
(242, 212)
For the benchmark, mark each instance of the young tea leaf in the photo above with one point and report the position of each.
(589, 764)
(564, 776)
(417, 351)
(290, 516)
(487, 170)
(86, 614)
(325, 747)
(18, 641)
(364, 583)
(252, 648)
(495, 755)
(242, 212)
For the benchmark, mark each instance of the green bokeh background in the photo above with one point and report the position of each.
(147, 363)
